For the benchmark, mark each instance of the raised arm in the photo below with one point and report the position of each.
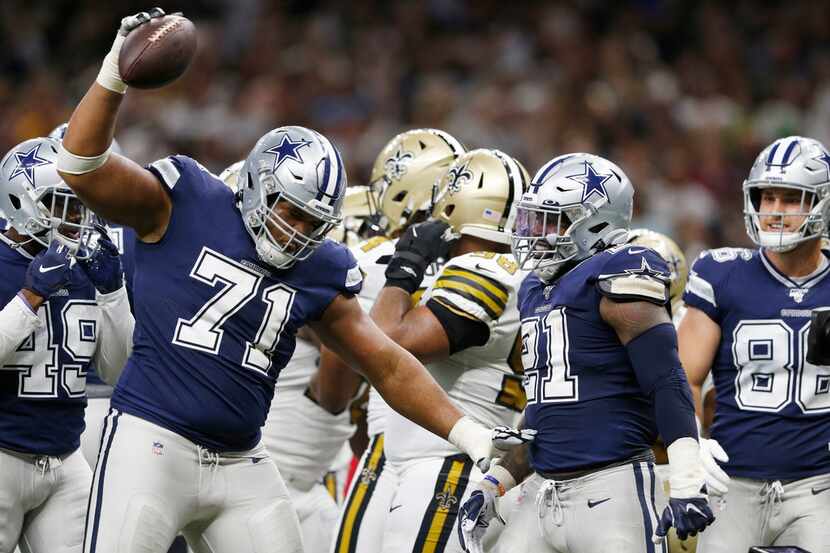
(113, 186)
(698, 338)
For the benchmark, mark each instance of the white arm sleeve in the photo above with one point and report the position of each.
(115, 342)
(17, 322)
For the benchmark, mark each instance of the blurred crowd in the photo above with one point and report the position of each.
(682, 95)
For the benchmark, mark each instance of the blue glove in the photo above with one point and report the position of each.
(688, 516)
(49, 271)
(474, 518)
(103, 265)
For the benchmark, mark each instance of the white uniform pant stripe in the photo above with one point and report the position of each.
(97, 490)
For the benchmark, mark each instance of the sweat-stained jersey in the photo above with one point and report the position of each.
(582, 392)
(43, 383)
(482, 287)
(215, 325)
(772, 412)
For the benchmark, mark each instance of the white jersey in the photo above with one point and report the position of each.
(482, 286)
(373, 255)
(302, 437)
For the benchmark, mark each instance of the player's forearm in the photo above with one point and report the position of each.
(389, 311)
(335, 383)
(116, 340)
(17, 322)
(92, 125)
(697, 399)
(411, 391)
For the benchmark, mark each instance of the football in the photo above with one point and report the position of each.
(158, 52)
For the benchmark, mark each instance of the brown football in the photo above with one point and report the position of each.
(157, 52)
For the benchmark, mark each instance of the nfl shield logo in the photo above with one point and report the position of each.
(158, 448)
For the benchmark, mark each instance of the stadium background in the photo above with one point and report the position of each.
(682, 95)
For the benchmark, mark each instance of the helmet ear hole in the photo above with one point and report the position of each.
(448, 210)
(399, 196)
(15, 201)
(597, 228)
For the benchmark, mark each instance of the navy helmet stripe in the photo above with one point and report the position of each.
(772, 151)
(789, 152)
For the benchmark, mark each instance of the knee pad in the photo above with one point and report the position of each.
(276, 524)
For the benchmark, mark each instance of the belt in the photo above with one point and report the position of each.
(646, 455)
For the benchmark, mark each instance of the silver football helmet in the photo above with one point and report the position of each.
(60, 131)
(36, 201)
(576, 205)
(797, 163)
(299, 166)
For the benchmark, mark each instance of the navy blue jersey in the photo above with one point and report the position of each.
(214, 323)
(583, 395)
(772, 413)
(42, 384)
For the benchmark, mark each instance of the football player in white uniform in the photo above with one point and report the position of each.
(63, 311)
(464, 329)
(747, 322)
(403, 174)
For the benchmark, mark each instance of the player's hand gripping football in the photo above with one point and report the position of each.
(102, 265)
(109, 76)
(419, 246)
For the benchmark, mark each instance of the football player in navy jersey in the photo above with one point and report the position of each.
(98, 392)
(602, 377)
(63, 311)
(222, 283)
(747, 322)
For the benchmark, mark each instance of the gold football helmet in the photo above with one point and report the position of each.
(476, 195)
(671, 252)
(230, 175)
(405, 171)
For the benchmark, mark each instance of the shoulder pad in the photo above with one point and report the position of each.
(477, 285)
(169, 169)
(635, 273)
(339, 264)
(709, 270)
(374, 249)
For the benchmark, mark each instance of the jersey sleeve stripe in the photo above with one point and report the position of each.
(471, 293)
(638, 286)
(700, 288)
(453, 308)
(493, 287)
(167, 171)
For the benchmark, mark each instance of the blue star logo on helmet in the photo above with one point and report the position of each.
(27, 162)
(825, 159)
(593, 182)
(287, 149)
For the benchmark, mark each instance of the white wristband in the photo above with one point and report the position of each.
(109, 77)
(78, 165)
(506, 482)
(686, 475)
(471, 438)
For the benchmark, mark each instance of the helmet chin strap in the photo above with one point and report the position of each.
(272, 255)
(779, 241)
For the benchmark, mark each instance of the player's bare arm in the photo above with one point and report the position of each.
(113, 186)
(698, 338)
(348, 331)
(630, 319)
(335, 384)
(416, 329)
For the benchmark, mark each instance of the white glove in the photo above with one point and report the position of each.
(476, 513)
(482, 444)
(717, 481)
(109, 76)
(505, 438)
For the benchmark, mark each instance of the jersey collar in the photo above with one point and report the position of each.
(16, 247)
(811, 281)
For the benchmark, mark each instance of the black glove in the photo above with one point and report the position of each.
(688, 516)
(818, 339)
(419, 246)
(103, 265)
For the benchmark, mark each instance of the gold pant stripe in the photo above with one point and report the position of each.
(359, 498)
(330, 482)
(439, 521)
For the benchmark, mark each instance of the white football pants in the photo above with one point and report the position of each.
(755, 512)
(151, 483)
(43, 502)
(366, 507)
(424, 511)
(608, 511)
(94, 415)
